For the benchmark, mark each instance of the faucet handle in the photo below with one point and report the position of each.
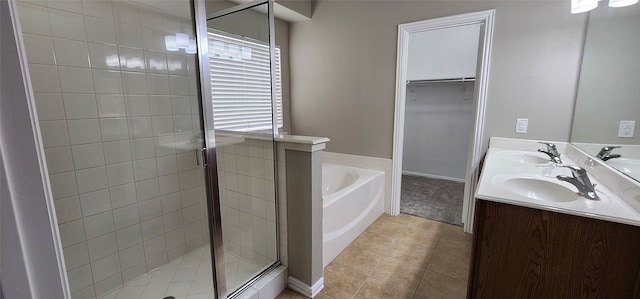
(608, 149)
(575, 170)
(611, 147)
(581, 180)
(605, 151)
(549, 145)
(551, 148)
(552, 152)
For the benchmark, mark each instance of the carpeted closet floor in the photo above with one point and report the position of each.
(435, 199)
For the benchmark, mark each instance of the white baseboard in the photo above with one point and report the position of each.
(433, 176)
(304, 289)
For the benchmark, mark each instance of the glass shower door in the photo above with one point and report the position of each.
(115, 85)
(236, 77)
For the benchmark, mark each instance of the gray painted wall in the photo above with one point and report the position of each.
(343, 65)
(302, 7)
(437, 124)
(439, 116)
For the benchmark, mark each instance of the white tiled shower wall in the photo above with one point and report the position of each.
(247, 197)
(112, 104)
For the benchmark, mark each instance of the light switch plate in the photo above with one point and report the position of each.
(521, 125)
(626, 128)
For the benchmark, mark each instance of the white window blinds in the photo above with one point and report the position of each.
(240, 84)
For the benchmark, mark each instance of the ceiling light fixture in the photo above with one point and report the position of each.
(580, 6)
(621, 3)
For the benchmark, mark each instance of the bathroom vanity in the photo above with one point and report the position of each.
(534, 237)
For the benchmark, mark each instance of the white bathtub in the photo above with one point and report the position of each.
(353, 200)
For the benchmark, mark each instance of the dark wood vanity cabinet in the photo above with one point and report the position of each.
(522, 252)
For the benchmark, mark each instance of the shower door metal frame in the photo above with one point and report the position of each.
(209, 152)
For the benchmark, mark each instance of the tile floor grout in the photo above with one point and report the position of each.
(391, 243)
(421, 277)
(189, 277)
(446, 260)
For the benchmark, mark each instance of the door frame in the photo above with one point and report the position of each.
(486, 19)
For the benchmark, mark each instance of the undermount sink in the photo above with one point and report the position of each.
(524, 157)
(540, 189)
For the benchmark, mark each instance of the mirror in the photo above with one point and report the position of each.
(608, 97)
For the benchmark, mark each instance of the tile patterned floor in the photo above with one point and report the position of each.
(187, 277)
(400, 257)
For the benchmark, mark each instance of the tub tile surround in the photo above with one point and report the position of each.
(400, 256)
(111, 113)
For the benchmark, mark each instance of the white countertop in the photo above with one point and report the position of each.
(500, 166)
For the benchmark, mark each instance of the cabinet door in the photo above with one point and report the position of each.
(529, 253)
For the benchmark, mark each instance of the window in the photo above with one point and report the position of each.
(240, 83)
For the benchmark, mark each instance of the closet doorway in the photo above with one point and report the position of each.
(437, 126)
(440, 94)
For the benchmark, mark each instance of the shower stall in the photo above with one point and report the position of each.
(157, 121)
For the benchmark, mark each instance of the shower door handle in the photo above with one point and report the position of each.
(200, 160)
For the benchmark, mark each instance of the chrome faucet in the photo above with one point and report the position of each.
(605, 153)
(552, 152)
(580, 179)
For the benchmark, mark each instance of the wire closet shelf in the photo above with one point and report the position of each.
(451, 80)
